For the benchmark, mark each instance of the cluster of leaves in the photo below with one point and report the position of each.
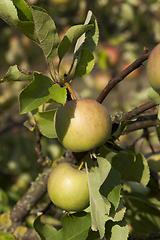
(105, 216)
(36, 24)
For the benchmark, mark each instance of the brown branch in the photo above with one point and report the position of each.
(136, 64)
(138, 110)
(30, 198)
(142, 122)
(41, 158)
(12, 221)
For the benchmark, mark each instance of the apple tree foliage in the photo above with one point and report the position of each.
(106, 216)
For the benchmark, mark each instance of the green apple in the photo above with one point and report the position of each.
(153, 69)
(82, 125)
(68, 187)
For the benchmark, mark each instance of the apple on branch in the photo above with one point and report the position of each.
(82, 125)
(68, 187)
(153, 69)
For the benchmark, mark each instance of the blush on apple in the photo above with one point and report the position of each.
(82, 125)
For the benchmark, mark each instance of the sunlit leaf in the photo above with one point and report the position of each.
(39, 91)
(74, 226)
(46, 32)
(45, 123)
(71, 37)
(14, 73)
(118, 230)
(99, 208)
(111, 187)
(44, 231)
(85, 63)
(23, 10)
(90, 38)
(118, 215)
(6, 236)
(18, 15)
(132, 167)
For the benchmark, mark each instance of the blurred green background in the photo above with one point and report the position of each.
(125, 28)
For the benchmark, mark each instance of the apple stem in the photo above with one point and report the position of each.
(84, 160)
(81, 165)
(73, 96)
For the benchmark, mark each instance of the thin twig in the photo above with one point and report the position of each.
(138, 110)
(136, 64)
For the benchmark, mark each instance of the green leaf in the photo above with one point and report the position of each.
(111, 187)
(122, 126)
(36, 93)
(118, 215)
(98, 205)
(18, 15)
(114, 195)
(116, 230)
(46, 32)
(58, 94)
(143, 213)
(45, 123)
(6, 236)
(45, 232)
(14, 73)
(89, 40)
(74, 226)
(85, 63)
(71, 37)
(153, 95)
(23, 10)
(92, 35)
(132, 167)
(39, 91)
(120, 232)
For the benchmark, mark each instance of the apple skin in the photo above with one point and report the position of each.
(68, 187)
(153, 69)
(82, 125)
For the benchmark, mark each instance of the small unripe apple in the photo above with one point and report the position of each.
(153, 69)
(82, 125)
(68, 187)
